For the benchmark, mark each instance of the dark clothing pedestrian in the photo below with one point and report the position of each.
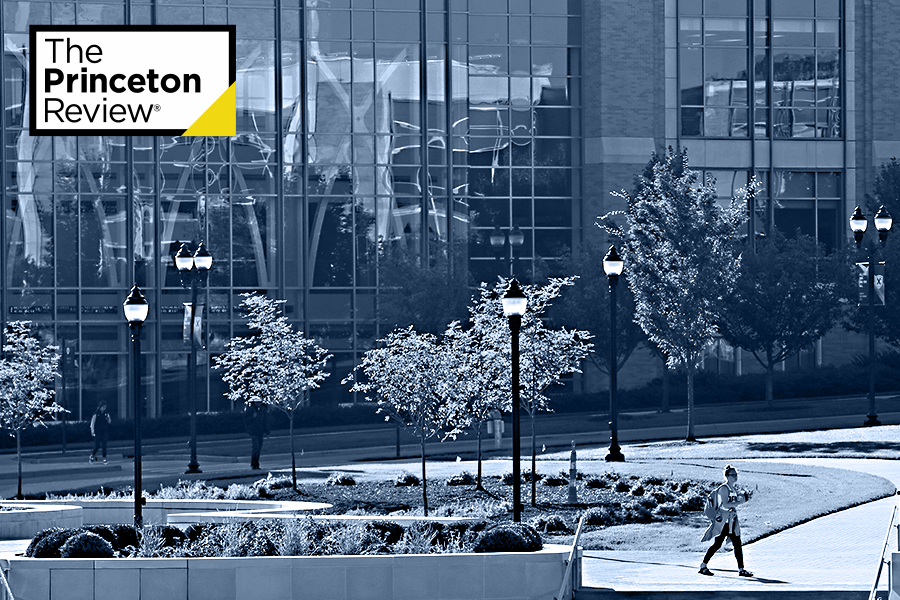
(257, 428)
(100, 421)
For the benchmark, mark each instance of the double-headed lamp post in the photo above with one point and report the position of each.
(498, 239)
(514, 304)
(858, 224)
(613, 266)
(194, 270)
(136, 309)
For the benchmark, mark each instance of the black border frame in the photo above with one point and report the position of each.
(32, 74)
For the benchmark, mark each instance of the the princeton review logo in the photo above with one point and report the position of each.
(132, 80)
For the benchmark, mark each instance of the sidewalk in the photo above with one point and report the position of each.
(838, 552)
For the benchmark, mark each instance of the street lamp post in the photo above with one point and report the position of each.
(613, 266)
(514, 304)
(136, 309)
(498, 239)
(194, 270)
(858, 224)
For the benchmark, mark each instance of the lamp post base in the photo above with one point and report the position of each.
(615, 455)
(872, 421)
(193, 468)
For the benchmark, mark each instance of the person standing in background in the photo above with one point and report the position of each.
(257, 428)
(100, 431)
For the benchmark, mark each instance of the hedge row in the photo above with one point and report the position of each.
(712, 388)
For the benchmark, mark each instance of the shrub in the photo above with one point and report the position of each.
(599, 516)
(126, 535)
(239, 491)
(406, 479)
(555, 481)
(667, 509)
(622, 486)
(527, 475)
(550, 524)
(196, 530)
(39, 537)
(649, 480)
(648, 502)
(637, 490)
(340, 479)
(103, 531)
(597, 483)
(191, 490)
(515, 537)
(388, 531)
(171, 536)
(692, 501)
(464, 478)
(507, 479)
(479, 508)
(50, 544)
(639, 514)
(351, 539)
(86, 545)
(271, 484)
(662, 496)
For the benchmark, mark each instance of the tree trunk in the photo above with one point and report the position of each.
(533, 464)
(478, 485)
(424, 484)
(690, 403)
(770, 374)
(293, 458)
(19, 461)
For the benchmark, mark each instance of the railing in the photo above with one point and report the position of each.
(6, 592)
(573, 556)
(881, 560)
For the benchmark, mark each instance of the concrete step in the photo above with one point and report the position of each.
(774, 594)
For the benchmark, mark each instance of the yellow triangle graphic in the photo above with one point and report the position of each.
(220, 119)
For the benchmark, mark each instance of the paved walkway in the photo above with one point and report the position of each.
(836, 552)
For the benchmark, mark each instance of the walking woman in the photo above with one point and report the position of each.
(726, 523)
(100, 430)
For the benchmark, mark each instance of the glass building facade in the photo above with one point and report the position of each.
(764, 70)
(418, 125)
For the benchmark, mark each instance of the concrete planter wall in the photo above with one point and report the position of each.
(495, 576)
(156, 512)
(23, 524)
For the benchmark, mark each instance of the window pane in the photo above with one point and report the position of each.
(828, 8)
(691, 121)
(728, 32)
(793, 8)
(691, 76)
(726, 77)
(827, 33)
(726, 7)
(792, 32)
(690, 31)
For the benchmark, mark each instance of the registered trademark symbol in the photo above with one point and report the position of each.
(156, 107)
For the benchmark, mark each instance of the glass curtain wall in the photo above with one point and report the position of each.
(416, 126)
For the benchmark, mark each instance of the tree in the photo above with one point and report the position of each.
(27, 370)
(586, 306)
(274, 365)
(474, 402)
(784, 299)
(428, 297)
(546, 355)
(411, 376)
(679, 247)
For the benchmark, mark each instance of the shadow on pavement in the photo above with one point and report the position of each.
(823, 448)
